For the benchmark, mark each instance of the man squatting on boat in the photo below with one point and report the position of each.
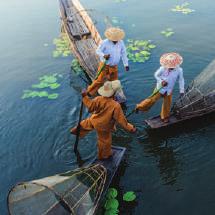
(106, 112)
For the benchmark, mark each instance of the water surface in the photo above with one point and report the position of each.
(170, 173)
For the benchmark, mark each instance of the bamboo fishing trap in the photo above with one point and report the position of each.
(74, 192)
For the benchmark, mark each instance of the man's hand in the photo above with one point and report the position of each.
(136, 110)
(84, 93)
(164, 83)
(106, 57)
(134, 129)
(127, 68)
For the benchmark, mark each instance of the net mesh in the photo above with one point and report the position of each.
(199, 97)
(74, 192)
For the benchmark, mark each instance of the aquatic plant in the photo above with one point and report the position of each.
(111, 204)
(139, 50)
(120, 1)
(129, 196)
(115, 21)
(168, 32)
(46, 81)
(62, 46)
(76, 67)
(183, 8)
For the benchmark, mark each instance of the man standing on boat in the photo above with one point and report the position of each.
(105, 113)
(166, 77)
(110, 51)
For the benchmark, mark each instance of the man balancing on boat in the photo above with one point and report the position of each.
(110, 51)
(166, 77)
(106, 112)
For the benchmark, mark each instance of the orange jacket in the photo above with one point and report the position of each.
(106, 112)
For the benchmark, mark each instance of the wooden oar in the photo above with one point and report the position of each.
(78, 128)
(153, 94)
(101, 69)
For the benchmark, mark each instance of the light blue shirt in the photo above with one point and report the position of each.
(116, 52)
(163, 74)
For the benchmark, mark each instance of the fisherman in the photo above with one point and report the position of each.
(106, 112)
(110, 51)
(166, 77)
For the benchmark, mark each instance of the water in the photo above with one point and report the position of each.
(170, 173)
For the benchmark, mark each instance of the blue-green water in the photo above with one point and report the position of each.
(172, 174)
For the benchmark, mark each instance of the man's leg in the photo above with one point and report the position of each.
(113, 73)
(86, 127)
(96, 84)
(104, 144)
(146, 104)
(166, 106)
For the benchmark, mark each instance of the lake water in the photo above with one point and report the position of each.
(170, 173)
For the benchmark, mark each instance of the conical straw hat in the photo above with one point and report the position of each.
(109, 88)
(114, 34)
(171, 60)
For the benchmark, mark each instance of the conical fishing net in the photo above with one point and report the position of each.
(199, 97)
(74, 192)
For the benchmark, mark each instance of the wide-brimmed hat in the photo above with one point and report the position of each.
(109, 88)
(171, 60)
(114, 34)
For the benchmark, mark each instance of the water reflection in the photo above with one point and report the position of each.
(166, 159)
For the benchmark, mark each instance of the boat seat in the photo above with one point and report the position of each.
(76, 24)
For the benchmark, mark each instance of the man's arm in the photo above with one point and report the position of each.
(92, 105)
(181, 81)
(119, 116)
(124, 54)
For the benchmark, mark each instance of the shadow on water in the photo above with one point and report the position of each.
(158, 145)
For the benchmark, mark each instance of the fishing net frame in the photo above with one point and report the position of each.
(97, 174)
(199, 97)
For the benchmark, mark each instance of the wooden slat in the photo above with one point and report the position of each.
(77, 26)
(87, 50)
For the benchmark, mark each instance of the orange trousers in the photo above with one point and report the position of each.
(146, 104)
(109, 73)
(104, 138)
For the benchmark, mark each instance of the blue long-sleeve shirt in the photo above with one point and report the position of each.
(116, 52)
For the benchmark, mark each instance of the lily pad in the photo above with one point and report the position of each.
(111, 212)
(76, 67)
(139, 50)
(62, 46)
(112, 193)
(111, 204)
(183, 8)
(129, 196)
(168, 32)
(120, 1)
(53, 96)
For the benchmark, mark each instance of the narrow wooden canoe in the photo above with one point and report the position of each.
(82, 34)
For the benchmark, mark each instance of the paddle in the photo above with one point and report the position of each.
(153, 94)
(101, 69)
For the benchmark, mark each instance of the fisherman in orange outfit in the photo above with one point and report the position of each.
(110, 50)
(166, 77)
(106, 112)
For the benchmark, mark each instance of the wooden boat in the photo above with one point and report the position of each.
(198, 100)
(74, 192)
(82, 34)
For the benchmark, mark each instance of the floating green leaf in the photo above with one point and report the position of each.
(76, 67)
(62, 46)
(111, 204)
(112, 193)
(168, 32)
(129, 196)
(139, 50)
(115, 20)
(183, 8)
(111, 212)
(46, 81)
(52, 96)
(120, 1)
